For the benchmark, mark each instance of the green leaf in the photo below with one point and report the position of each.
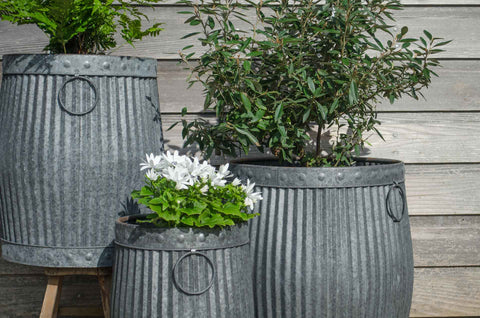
(146, 191)
(278, 113)
(210, 22)
(333, 106)
(211, 221)
(189, 35)
(195, 22)
(442, 43)
(172, 126)
(247, 66)
(231, 209)
(306, 115)
(190, 221)
(353, 93)
(246, 102)
(323, 111)
(157, 201)
(428, 34)
(166, 216)
(251, 137)
(197, 209)
(311, 85)
(391, 97)
(258, 115)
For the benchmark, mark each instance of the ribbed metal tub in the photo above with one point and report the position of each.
(173, 272)
(73, 131)
(331, 242)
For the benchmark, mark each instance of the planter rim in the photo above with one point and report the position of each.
(368, 172)
(149, 237)
(79, 65)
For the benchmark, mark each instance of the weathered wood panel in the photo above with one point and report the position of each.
(438, 292)
(463, 26)
(8, 268)
(22, 296)
(446, 292)
(457, 89)
(405, 2)
(437, 241)
(410, 137)
(443, 189)
(440, 2)
(446, 240)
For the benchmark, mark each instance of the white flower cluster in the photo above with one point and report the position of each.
(186, 172)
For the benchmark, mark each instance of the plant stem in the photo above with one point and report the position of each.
(318, 150)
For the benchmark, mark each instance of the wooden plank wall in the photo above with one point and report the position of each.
(438, 139)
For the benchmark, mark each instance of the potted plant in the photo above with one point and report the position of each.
(189, 257)
(301, 81)
(72, 121)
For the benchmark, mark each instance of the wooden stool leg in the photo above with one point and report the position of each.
(52, 297)
(105, 282)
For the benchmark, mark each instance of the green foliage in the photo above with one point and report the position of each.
(302, 65)
(81, 26)
(217, 207)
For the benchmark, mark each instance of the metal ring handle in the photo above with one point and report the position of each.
(390, 213)
(211, 279)
(90, 83)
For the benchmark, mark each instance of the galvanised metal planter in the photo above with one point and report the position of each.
(181, 272)
(331, 242)
(73, 129)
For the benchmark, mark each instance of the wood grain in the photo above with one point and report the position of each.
(438, 292)
(404, 2)
(446, 240)
(457, 89)
(443, 189)
(21, 296)
(8, 268)
(463, 26)
(440, 2)
(51, 300)
(81, 311)
(437, 241)
(446, 292)
(410, 137)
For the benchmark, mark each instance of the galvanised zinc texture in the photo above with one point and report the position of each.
(324, 244)
(143, 283)
(64, 178)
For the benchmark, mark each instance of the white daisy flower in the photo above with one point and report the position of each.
(223, 171)
(179, 175)
(174, 159)
(152, 175)
(152, 162)
(252, 197)
(204, 189)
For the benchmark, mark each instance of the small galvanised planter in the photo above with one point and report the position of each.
(181, 272)
(330, 242)
(72, 129)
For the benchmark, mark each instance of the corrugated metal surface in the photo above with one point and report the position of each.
(64, 178)
(330, 250)
(143, 284)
